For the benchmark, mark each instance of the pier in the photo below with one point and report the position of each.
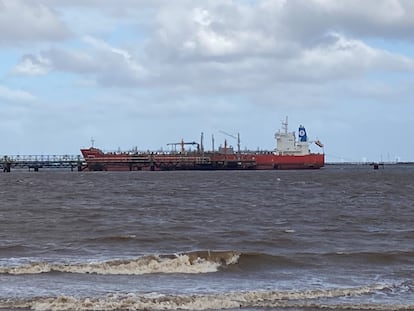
(36, 162)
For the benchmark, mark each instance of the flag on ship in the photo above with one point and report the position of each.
(318, 143)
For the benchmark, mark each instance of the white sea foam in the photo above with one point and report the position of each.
(194, 262)
(252, 299)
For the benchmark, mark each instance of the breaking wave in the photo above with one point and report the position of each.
(191, 262)
(208, 261)
(249, 299)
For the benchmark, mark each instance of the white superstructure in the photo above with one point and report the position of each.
(286, 143)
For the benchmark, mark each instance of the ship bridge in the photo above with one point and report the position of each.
(286, 143)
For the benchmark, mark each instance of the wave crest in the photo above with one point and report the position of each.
(192, 262)
(250, 299)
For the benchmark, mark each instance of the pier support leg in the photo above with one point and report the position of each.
(7, 167)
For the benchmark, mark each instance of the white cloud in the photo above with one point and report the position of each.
(97, 59)
(29, 21)
(342, 57)
(214, 29)
(218, 47)
(33, 66)
(104, 5)
(306, 20)
(15, 95)
(117, 55)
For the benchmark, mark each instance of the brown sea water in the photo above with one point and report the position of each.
(337, 238)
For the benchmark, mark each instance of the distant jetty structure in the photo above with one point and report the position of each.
(35, 162)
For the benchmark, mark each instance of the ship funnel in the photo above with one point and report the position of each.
(302, 134)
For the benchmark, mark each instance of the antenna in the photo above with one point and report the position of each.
(92, 141)
(285, 125)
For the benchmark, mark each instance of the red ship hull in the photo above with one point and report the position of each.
(96, 160)
(272, 161)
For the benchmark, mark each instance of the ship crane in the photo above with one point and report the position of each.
(232, 136)
(182, 144)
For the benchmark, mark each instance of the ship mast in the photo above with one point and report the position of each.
(285, 125)
(202, 147)
(202, 142)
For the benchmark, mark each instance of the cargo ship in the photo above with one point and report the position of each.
(290, 153)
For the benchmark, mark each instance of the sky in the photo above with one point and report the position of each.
(145, 73)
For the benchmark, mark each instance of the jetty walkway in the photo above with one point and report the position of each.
(35, 162)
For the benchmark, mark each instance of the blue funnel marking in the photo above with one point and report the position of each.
(302, 134)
